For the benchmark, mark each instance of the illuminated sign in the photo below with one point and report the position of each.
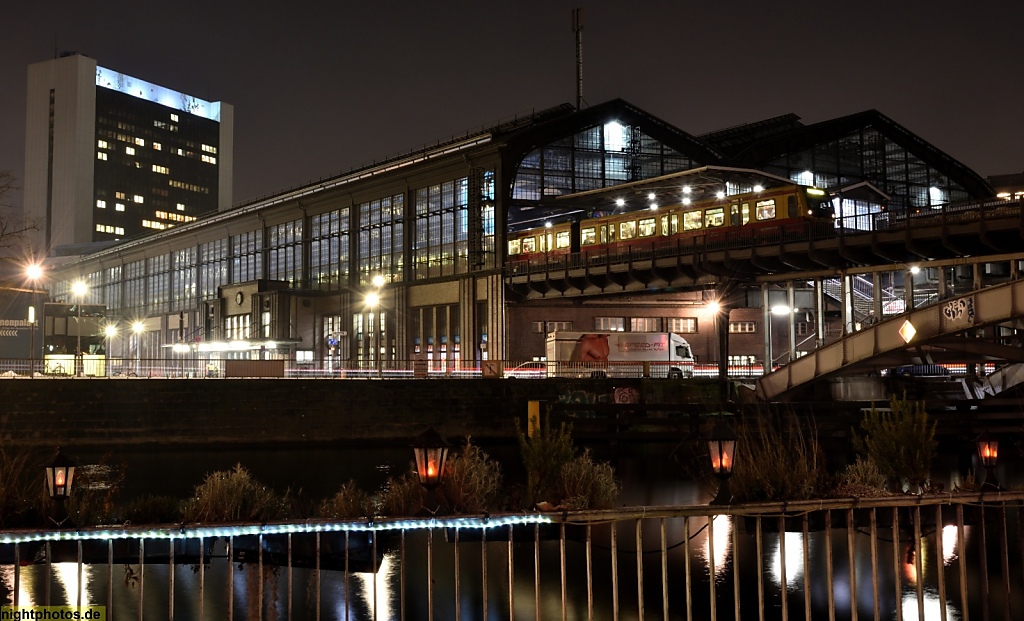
(114, 80)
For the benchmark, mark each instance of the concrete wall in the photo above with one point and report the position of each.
(120, 412)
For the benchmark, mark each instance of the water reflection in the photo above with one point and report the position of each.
(718, 545)
(376, 589)
(794, 560)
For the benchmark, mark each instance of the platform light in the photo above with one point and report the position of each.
(686, 200)
(781, 309)
(651, 196)
(654, 206)
(619, 202)
(759, 188)
(815, 192)
(548, 224)
(379, 280)
(687, 189)
(915, 269)
(720, 194)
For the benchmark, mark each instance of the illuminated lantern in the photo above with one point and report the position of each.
(59, 476)
(431, 454)
(722, 448)
(988, 452)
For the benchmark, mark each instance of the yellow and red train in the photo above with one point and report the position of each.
(786, 207)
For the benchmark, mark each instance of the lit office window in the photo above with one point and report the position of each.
(174, 117)
(161, 169)
(118, 206)
(140, 142)
(157, 146)
(102, 144)
(610, 324)
(129, 150)
(180, 206)
(138, 198)
(645, 324)
(742, 327)
(682, 325)
(102, 204)
(100, 155)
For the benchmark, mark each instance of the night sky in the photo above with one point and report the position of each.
(324, 87)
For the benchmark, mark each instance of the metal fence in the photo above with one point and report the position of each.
(943, 557)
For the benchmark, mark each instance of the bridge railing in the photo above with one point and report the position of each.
(950, 556)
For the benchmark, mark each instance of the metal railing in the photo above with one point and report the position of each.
(954, 556)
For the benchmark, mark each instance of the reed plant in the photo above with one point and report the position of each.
(349, 502)
(588, 484)
(900, 440)
(402, 496)
(544, 454)
(472, 482)
(234, 496)
(777, 458)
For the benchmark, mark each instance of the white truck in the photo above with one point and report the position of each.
(619, 354)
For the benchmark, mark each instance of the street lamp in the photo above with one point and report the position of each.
(138, 328)
(988, 452)
(722, 447)
(79, 289)
(33, 272)
(110, 331)
(59, 475)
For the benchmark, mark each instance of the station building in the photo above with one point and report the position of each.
(407, 259)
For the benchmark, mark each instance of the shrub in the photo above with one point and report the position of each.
(402, 496)
(348, 503)
(543, 456)
(151, 509)
(861, 479)
(777, 464)
(587, 484)
(472, 482)
(901, 441)
(234, 496)
(19, 489)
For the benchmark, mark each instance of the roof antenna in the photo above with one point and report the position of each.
(577, 26)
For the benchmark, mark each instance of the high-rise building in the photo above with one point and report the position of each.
(109, 156)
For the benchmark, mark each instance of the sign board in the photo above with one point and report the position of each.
(419, 368)
(492, 368)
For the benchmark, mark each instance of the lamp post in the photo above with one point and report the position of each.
(722, 447)
(988, 452)
(110, 331)
(79, 289)
(373, 300)
(33, 272)
(431, 451)
(59, 475)
(137, 329)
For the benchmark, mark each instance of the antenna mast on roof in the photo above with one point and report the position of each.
(577, 26)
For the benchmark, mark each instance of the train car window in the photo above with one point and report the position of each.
(588, 236)
(670, 224)
(745, 213)
(648, 227)
(692, 221)
(562, 239)
(765, 209)
(514, 247)
(792, 208)
(627, 230)
(714, 217)
(610, 229)
(530, 244)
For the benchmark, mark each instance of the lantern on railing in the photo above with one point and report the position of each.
(722, 448)
(59, 476)
(431, 452)
(988, 453)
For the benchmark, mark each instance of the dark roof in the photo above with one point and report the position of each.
(761, 153)
(733, 140)
(544, 132)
